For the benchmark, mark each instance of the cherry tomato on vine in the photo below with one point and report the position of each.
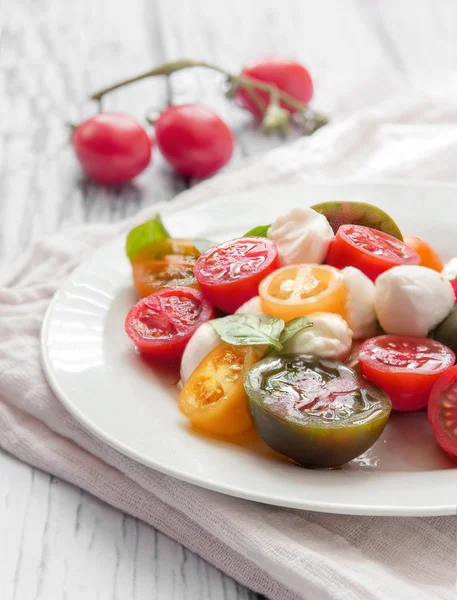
(193, 139)
(161, 324)
(112, 148)
(288, 76)
(442, 411)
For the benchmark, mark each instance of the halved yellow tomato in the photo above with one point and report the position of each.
(213, 398)
(164, 263)
(299, 290)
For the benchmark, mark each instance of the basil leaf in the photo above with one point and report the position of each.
(249, 330)
(203, 245)
(260, 231)
(292, 327)
(144, 234)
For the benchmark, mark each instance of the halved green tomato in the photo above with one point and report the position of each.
(213, 398)
(164, 263)
(358, 213)
(319, 413)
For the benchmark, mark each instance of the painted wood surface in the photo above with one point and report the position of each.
(55, 540)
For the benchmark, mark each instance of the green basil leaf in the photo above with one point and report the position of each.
(260, 231)
(249, 330)
(203, 245)
(144, 234)
(292, 327)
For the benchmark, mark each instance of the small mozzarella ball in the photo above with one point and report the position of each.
(200, 345)
(450, 269)
(412, 300)
(301, 236)
(329, 337)
(251, 307)
(360, 313)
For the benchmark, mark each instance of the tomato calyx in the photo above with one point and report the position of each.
(274, 116)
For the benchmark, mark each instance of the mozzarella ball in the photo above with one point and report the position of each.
(360, 313)
(329, 337)
(251, 307)
(450, 269)
(200, 345)
(412, 300)
(301, 236)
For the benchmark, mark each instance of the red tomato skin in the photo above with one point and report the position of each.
(446, 437)
(112, 148)
(454, 287)
(194, 140)
(288, 75)
(166, 350)
(228, 296)
(345, 253)
(408, 390)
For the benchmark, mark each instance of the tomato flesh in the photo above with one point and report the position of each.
(164, 263)
(213, 398)
(229, 274)
(299, 290)
(406, 368)
(318, 412)
(161, 324)
(442, 411)
(369, 250)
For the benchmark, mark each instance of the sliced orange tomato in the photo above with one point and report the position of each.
(164, 263)
(299, 290)
(428, 256)
(213, 398)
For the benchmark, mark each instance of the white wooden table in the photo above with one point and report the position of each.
(55, 540)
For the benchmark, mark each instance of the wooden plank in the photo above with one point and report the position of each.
(59, 542)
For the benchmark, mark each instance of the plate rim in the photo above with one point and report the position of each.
(321, 506)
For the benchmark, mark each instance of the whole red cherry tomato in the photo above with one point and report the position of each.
(194, 140)
(161, 324)
(287, 75)
(112, 148)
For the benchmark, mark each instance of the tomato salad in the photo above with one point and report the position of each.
(327, 320)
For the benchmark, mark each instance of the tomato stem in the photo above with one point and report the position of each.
(313, 119)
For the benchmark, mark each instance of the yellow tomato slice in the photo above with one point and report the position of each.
(164, 263)
(299, 290)
(213, 398)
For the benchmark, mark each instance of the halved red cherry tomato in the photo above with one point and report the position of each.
(229, 275)
(454, 287)
(369, 250)
(406, 368)
(161, 324)
(164, 263)
(442, 411)
(287, 75)
(428, 256)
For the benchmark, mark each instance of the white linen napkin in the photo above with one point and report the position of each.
(284, 554)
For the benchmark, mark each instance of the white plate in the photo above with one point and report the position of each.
(93, 369)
